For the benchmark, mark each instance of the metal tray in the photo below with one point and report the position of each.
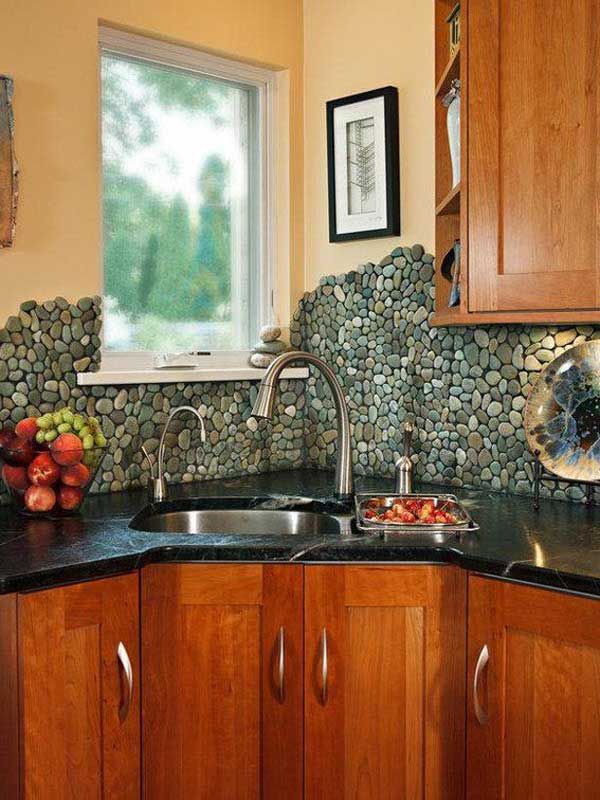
(448, 502)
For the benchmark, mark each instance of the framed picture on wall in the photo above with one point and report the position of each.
(363, 165)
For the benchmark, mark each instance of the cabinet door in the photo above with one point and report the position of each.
(80, 721)
(533, 721)
(222, 701)
(384, 682)
(9, 699)
(533, 154)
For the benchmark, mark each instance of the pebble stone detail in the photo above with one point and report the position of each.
(45, 345)
(465, 388)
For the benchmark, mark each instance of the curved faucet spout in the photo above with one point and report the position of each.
(263, 407)
(158, 490)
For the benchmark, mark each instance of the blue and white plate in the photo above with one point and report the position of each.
(562, 415)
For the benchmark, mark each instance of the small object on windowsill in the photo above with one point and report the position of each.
(261, 360)
(540, 474)
(269, 347)
(269, 333)
(180, 360)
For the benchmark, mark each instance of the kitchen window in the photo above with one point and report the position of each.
(187, 166)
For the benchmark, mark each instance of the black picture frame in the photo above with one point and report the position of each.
(392, 164)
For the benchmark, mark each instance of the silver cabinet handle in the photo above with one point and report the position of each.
(482, 660)
(125, 666)
(324, 667)
(281, 665)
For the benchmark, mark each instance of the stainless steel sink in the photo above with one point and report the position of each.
(236, 521)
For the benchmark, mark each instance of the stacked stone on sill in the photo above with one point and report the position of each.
(270, 346)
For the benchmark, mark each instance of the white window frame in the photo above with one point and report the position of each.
(145, 48)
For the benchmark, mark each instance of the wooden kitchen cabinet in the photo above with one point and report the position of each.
(78, 711)
(526, 210)
(384, 682)
(388, 722)
(534, 174)
(222, 649)
(533, 720)
(317, 682)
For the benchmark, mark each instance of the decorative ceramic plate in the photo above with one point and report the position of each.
(562, 415)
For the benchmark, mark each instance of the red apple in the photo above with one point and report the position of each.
(76, 475)
(40, 499)
(7, 434)
(67, 449)
(27, 428)
(69, 498)
(43, 470)
(18, 451)
(15, 477)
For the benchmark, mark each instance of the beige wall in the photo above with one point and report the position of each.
(49, 47)
(353, 46)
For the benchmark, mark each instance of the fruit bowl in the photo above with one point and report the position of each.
(50, 474)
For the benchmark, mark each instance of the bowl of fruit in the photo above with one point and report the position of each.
(49, 462)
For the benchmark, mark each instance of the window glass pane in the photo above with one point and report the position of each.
(181, 193)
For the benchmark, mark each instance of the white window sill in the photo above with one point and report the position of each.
(121, 377)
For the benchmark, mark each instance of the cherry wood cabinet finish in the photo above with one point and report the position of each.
(9, 699)
(540, 690)
(74, 744)
(215, 724)
(387, 719)
(533, 155)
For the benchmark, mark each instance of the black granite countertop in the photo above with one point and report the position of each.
(558, 546)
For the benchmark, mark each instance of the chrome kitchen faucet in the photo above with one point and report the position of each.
(263, 407)
(157, 486)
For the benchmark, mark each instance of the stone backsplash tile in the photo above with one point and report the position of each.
(43, 348)
(465, 388)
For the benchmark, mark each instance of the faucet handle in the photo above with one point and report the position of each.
(409, 429)
(404, 465)
(156, 485)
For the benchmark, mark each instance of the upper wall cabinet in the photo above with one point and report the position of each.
(526, 209)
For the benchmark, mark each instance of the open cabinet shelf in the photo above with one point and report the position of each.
(451, 73)
(450, 202)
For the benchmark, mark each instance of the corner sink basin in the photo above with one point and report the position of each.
(251, 521)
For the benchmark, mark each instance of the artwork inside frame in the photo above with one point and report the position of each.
(363, 165)
(8, 165)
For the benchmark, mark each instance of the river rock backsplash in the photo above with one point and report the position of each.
(44, 347)
(464, 388)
